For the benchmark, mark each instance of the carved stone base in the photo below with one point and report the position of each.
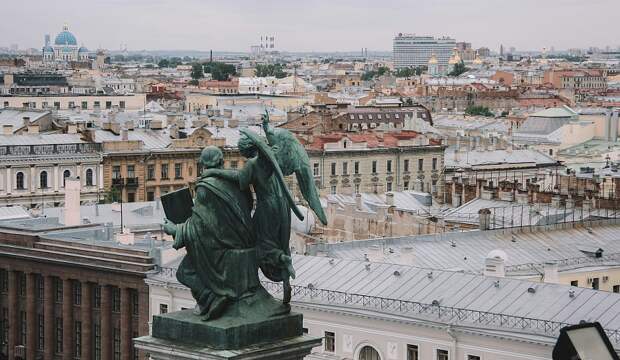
(290, 349)
(227, 332)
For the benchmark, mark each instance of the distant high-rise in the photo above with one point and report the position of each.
(411, 50)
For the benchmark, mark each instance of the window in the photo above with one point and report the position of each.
(116, 335)
(315, 169)
(388, 186)
(616, 288)
(116, 299)
(84, 105)
(43, 180)
(412, 352)
(374, 166)
(150, 196)
(595, 284)
(330, 341)
(4, 281)
(163, 309)
(406, 165)
(369, 353)
(116, 172)
(345, 168)
(333, 189)
(233, 165)
(131, 197)
(442, 354)
(71, 105)
(77, 339)
(65, 175)
(135, 304)
(19, 180)
(406, 185)
(89, 177)
(77, 293)
(40, 332)
(57, 290)
(356, 167)
(58, 344)
(121, 104)
(97, 336)
(57, 105)
(420, 164)
(388, 166)
(150, 172)
(473, 357)
(131, 171)
(97, 296)
(22, 328)
(108, 104)
(40, 284)
(574, 283)
(177, 171)
(4, 326)
(333, 168)
(164, 171)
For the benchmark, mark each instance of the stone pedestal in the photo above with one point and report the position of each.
(289, 349)
(181, 335)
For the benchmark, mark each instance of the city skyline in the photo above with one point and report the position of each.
(195, 25)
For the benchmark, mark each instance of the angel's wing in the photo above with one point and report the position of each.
(292, 158)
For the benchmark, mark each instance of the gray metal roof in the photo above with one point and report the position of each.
(407, 292)
(496, 157)
(152, 139)
(40, 139)
(467, 250)
(15, 117)
(134, 214)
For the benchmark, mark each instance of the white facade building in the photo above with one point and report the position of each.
(410, 50)
(65, 48)
(378, 311)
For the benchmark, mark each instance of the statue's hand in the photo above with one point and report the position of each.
(170, 228)
(288, 264)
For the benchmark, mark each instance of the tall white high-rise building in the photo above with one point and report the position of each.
(411, 50)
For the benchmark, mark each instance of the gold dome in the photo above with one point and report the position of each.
(433, 59)
(455, 58)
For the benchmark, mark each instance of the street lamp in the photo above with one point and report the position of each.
(586, 341)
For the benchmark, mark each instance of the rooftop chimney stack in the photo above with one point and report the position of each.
(72, 201)
(551, 272)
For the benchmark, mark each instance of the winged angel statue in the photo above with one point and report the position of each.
(267, 165)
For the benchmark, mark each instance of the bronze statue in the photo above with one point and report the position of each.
(225, 246)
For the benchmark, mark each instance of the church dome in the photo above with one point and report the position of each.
(65, 37)
(48, 49)
(432, 60)
(83, 50)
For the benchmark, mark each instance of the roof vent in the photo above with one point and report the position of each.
(435, 303)
(571, 293)
(396, 273)
(589, 229)
(429, 275)
(496, 283)
(452, 243)
(531, 290)
(367, 267)
(366, 257)
(331, 261)
(311, 286)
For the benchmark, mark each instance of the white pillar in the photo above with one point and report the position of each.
(31, 182)
(9, 188)
(72, 201)
(56, 182)
(78, 173)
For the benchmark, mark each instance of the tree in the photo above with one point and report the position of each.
(219, 70)
(111, 196)
(459, 68)
(163, 63)
(478, 110)
(270, 70)
(197, 71)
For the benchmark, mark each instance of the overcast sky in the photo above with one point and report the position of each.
(311, 25)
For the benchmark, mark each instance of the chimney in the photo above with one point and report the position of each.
(26, 120)
(72, 201)
(71, 128)
(551, 272)
(586, 205)
(506, 196)
(124, 134)
(33, 129)
(233, 123)
(486, 194)
(389, 198)
(570, 203)
(7, 129)
(522, 198)
(484, 219)
(407, 255)
(8, 80)
(556, 201)
(494, 264)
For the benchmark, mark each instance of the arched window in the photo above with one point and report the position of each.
(19, 180)
(89, 177)
(369, 353)
(43, 180)
(65, 175)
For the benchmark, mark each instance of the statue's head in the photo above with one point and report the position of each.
(212, 157)
(246, 147)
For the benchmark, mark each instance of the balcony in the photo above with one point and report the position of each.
(131, 182)
(117, 181)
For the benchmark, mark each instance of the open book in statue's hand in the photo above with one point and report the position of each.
(178, 205)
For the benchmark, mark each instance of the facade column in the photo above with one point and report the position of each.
(12, 338)
(9, 177)
(67, 319)
(31, 316)
(106, 322)
(48, 316)
(87, 316)
(126, 331)
(56, 182)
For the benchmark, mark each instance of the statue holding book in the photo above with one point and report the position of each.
(225, 244)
